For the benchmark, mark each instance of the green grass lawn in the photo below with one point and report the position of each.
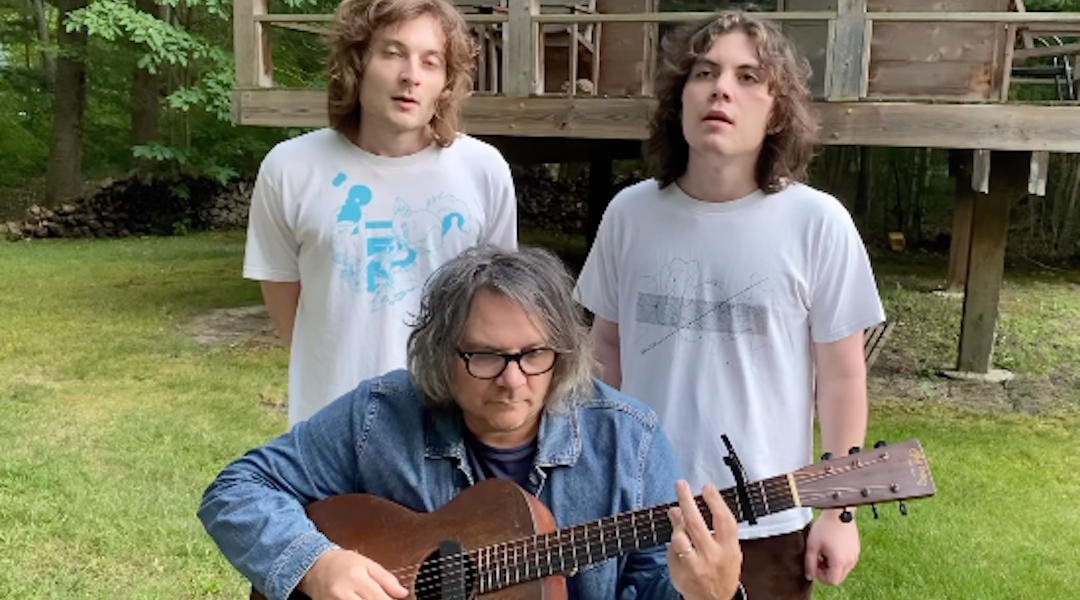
(115, 420)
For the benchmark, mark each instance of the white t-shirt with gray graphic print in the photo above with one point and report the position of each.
(361, 233)
(718, 305)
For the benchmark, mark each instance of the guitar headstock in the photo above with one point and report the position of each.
(884, 474)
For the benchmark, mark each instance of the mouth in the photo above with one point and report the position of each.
(719, 116)
(406, 100)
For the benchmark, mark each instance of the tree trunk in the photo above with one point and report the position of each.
(145, 93)
(48, 63)
(69, 109)
(862, 190)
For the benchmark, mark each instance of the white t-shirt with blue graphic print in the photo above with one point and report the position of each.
(361, 233)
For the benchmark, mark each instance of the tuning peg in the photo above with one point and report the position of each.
(846, 516)
(903, 508)
(826, 456)
(873, 507)
(854, 450)
(879, 444)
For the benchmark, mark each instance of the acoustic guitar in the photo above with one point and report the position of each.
(497, 541)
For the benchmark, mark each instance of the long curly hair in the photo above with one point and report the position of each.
(789, 139)
(355, 25)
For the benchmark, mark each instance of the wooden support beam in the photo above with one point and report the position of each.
(986, 262)
(896, 124)
(1025, 34)
(679, 17)
(1046, 51)
(970, 126)
(960, 167)
(1045, 29)
(979, 17)
(522, 55)
(251, 44)
(1040, 168)
(849, 52)
(980, 172)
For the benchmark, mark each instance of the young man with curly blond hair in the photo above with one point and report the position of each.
(347, 222)
(732, 298)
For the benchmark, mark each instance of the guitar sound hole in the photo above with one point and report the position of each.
(451, 577)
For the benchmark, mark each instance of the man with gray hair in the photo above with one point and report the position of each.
(498, 387)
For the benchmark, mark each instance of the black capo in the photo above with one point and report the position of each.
(732, 461)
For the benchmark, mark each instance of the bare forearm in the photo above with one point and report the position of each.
(843, 414)
(841, 394)
(605, 338)
(282, 299)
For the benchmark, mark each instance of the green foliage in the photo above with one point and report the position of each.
(163, 42)
(22, 147)
(183, 161)
(1053, 5)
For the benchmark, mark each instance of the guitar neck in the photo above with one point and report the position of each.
(571, 548)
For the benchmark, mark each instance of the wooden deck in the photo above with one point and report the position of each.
(900, 124)
(856, 106)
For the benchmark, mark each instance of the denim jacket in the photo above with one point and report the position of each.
(604, 456)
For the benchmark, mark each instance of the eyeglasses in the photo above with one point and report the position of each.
(489, 365)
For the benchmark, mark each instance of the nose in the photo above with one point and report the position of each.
(410, 71)
(723, 85)
(512, 376)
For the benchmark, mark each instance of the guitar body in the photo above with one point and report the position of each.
(488, 513)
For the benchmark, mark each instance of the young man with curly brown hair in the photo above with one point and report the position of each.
(347, 222)
(732, 298)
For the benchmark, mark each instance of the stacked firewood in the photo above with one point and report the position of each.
(140, 205)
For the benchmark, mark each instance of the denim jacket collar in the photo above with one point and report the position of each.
(560, 437)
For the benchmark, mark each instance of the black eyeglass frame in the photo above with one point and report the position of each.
(507, 358)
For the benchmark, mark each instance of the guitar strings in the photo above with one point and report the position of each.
(608, 534)
(499, 564)
(597, 533)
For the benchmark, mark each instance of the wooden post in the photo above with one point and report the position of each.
(254, 67)
(980, 171)
(574, 32)
(849, 52)
(1040, 169)
(251, 45)
(960, 163)
(986, 262)
(522, 55)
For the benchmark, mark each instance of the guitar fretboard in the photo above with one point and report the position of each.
(569, 549)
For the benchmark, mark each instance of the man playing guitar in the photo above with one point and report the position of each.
(498, 386)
